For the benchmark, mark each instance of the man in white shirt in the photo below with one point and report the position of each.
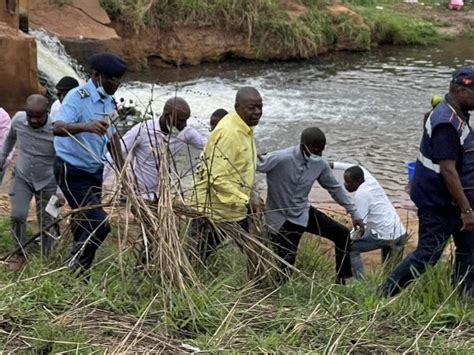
(143, 143)
(63, 86)
(384, 229)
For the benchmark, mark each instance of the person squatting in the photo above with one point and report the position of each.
(68, 151)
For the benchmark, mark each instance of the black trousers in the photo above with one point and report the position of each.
(288, 238)
(83, 189)
(205, 238)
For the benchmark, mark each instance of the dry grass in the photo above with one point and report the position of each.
(232, 303)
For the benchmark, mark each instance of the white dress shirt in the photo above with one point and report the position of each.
(376, 209)
(55, 108)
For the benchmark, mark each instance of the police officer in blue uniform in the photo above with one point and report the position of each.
(443, 190)
(84, 132)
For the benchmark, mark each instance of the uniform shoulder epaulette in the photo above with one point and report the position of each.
(83, 93)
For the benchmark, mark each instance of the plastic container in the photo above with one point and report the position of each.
(410, 170)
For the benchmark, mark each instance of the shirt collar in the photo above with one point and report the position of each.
(299, 154)
(240, 123)
(464, 115)
(94, 94)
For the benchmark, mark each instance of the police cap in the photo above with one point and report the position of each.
(108, 64)
(464, 76)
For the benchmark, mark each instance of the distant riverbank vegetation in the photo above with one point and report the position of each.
(306, 27)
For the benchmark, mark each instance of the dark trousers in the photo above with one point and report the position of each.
(205, 238)
(435, 229)
(82, 188)
(288, 238)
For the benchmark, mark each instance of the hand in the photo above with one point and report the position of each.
(256, 204)
(261, 156)
(467, 221)
(359, 224)
(97, 127)
(61, 201)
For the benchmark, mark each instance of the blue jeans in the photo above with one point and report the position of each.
(390, 249)
(435, 229)
(82, 188)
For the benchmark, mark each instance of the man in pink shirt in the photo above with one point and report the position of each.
(5, 123)
(143, 142)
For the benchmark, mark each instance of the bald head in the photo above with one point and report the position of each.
(36, 102)
(176, 112)
(248, 104)
(36, 110)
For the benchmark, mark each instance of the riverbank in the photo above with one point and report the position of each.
(45, 309)
(192, 32)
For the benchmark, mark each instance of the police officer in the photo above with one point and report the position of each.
(84, 131)
(443, 190)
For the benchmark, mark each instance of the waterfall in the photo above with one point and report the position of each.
(53, 61)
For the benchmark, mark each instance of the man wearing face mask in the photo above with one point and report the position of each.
(291, 173)
(33, 172)
(144, 139)
(84, 131)
(226, 174)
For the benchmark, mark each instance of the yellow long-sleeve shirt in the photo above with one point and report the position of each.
(226, 173)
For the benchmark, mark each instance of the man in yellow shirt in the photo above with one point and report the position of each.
(226, 173)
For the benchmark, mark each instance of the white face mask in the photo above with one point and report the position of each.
(313, 158)
(101, 89)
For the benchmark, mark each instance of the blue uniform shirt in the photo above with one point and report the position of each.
(86, 150)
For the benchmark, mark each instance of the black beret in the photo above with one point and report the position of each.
(108, 64)
(67, 83)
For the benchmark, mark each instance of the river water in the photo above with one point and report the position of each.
(370, 105)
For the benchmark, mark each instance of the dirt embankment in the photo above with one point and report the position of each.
(85, 28)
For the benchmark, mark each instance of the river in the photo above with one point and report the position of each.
(369, 104)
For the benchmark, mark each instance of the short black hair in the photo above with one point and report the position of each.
(313, 136)
(355, 173)
(219, 114)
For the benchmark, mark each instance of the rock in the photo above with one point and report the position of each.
(79, 18)
(11, 19)
(18, 68)
(82, 29)
(92, 9)
(173, 46)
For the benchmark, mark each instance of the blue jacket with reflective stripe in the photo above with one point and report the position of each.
(428, 189)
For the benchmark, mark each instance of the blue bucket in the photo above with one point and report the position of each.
(410, 170)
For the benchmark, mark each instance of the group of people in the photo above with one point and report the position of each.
(65, 151)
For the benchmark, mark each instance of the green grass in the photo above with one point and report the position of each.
(46, 310)
(272, 31)
(390, 27)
